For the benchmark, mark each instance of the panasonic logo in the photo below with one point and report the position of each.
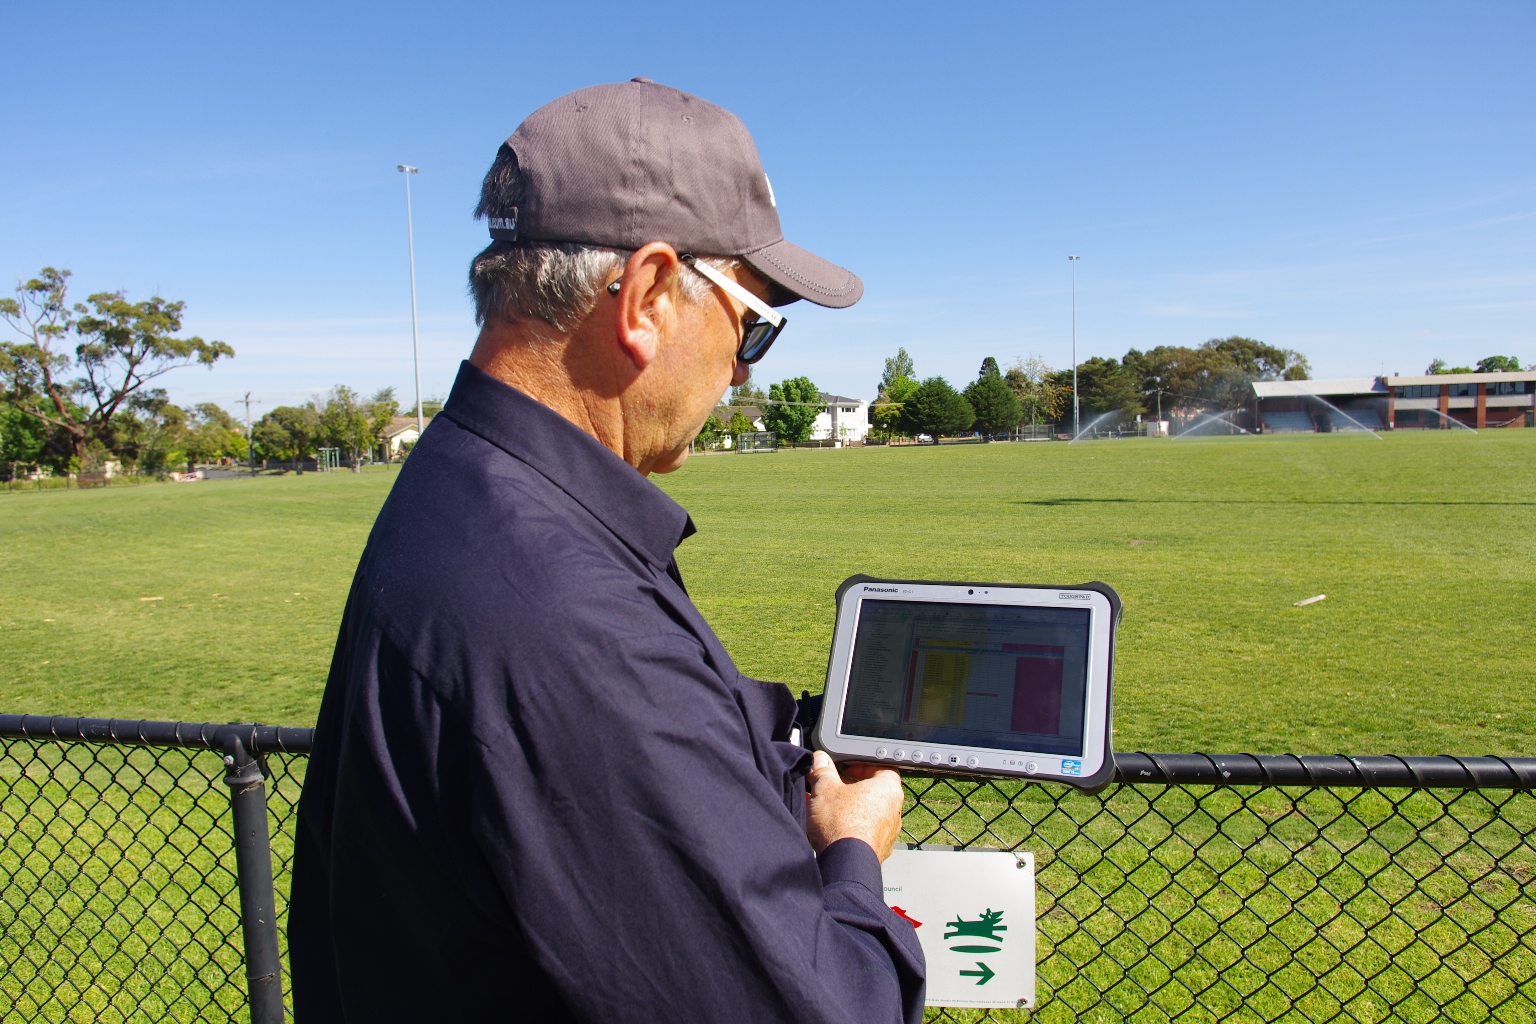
(879, 590)
(1074, 597)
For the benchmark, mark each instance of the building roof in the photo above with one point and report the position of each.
(1459, 378)
(842, 400)
(725, 412)
(1304, 388)
(400, 424)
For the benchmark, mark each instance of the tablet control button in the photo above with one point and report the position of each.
(917, 755)
(882, 752)
(973, 761)
(900, 753)
(1031, 767)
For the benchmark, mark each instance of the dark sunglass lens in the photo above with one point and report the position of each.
(755, 341)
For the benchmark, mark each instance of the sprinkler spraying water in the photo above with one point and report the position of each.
(1451, 420)
(1210, 420)
(1093, 424)
(1347, 416)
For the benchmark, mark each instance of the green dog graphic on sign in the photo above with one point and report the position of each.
(990, 923)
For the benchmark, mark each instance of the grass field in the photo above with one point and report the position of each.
(219, 600)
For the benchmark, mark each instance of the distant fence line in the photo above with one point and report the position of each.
(144, 874)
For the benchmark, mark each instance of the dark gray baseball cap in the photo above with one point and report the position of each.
(635, 162)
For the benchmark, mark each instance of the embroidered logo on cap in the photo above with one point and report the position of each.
(504, 228)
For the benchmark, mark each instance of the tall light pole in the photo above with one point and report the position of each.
(410, 244)
(250, 441)
(1075, 428)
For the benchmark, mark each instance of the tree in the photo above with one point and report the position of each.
(1220, 373)
(1498, 364)
(793, 408)
(1437, 367)
(122, 346)
(211, 434)
(1106, 385)
(997, 408)
(885, 413)
(345, 424)
(382, 410)
(1041, 400)
(288, 432)
(935, 408)
(24, 441)
(271, 439)
(897, 366)
(738, 425)
(710, 433)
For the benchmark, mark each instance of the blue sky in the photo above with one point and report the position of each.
(1354, 181)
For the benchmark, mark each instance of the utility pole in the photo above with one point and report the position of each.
(1075, 427)
(410, 244)
(250, 440)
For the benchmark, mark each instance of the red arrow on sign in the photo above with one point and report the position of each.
(906, 917)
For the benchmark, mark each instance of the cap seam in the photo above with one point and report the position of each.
(800, 279)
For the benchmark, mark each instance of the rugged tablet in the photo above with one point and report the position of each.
(974, 678)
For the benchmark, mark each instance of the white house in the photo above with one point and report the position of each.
(401, 432)
(843, 419)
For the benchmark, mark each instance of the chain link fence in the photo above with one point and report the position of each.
(1195, 888)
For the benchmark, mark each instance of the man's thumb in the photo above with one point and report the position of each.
(823, 770)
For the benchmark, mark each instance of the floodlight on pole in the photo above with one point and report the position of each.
(410, 245)
(1075, 428)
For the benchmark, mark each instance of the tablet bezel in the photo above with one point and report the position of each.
(1097, 761)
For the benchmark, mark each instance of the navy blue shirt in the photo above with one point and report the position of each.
(540, 788)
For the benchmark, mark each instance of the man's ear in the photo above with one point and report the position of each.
(646, 307)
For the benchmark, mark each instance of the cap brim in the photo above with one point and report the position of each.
(804, 275)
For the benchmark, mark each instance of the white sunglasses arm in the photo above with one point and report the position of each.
(736, 291)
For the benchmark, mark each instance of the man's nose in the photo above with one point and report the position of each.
(739, 375)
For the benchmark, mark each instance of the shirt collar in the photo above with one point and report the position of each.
(635, 509)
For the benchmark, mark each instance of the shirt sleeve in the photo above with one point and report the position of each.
(655, 872)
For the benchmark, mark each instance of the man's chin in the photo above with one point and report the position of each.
(672, 461)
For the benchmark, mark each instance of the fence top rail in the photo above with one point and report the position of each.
(258, 739)
(1325, 770)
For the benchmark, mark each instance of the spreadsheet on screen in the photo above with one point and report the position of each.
(1002, 676)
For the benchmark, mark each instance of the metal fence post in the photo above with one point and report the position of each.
(253, 862)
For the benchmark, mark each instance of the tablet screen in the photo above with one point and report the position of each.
(999, 676)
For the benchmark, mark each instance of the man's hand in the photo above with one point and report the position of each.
(866, 806)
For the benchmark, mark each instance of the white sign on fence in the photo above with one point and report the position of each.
(974, 911)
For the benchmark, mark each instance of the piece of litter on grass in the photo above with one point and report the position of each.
(47, 620)
(1135, 542)
(151, 599)
(1311, 600)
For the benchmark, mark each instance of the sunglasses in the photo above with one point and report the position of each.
(756, 335)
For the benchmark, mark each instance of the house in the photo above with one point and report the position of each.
(843, 419)
(753, 414)
(400, 434)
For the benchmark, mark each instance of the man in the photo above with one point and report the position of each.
(540, 788)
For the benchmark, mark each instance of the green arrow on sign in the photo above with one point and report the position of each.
(986, 973)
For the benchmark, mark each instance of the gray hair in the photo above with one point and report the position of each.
(554, 282)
